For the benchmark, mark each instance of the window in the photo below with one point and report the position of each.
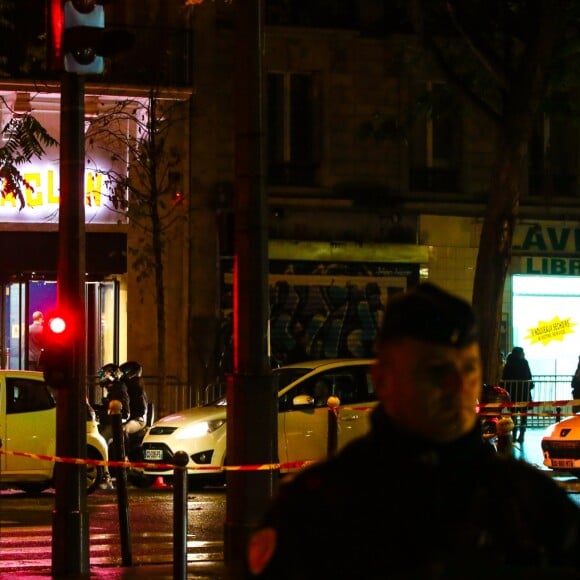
(351, 385)
(435, 139)
(26, 396)
(291, 142)
(554, 158)
(354, 385)
(320, 14)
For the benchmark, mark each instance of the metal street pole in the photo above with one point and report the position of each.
(252, 402)
(70, 527)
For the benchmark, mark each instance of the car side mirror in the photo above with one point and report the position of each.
(303, 401)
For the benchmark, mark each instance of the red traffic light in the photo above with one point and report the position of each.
(57, 355)
(77, 38)
(57, 325)
(55, 34)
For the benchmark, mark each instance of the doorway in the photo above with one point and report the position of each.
(23, 297)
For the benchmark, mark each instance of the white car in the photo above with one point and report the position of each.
(561, 446)
(28, 424)
(303, 391)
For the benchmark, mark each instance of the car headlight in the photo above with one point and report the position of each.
(199, 429)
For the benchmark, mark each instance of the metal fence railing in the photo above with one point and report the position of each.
(548, 389)
(180, 395)
(553, 390)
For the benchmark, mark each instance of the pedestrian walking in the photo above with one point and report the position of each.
(576, 387)
(421, 495)
(517, 380)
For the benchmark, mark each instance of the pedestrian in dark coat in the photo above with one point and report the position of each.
(421, 496)
(576, 387)
(517, 380)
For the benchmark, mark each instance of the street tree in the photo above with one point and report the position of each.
(143, 184)
(512, 62)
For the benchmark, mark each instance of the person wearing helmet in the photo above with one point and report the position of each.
(132, 373)
(111, 379)
(114, 389)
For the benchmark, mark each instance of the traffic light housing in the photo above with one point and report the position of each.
(84, 23)
(77, 37)
(57, 355)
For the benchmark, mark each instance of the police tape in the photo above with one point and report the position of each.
(491, 409)
(158, 466)
(483, 407)
(530, 404)
(505, 405)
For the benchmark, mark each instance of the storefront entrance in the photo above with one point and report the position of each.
(23, 297)
(546, 324)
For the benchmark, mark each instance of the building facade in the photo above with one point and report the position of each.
(351, 219)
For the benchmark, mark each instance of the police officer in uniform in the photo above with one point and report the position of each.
(422, 495)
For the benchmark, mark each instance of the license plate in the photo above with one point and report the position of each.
(565, 463)
(153, 454)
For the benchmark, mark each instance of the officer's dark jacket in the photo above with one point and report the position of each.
(391, 505)
(117, 391)
(137, 398)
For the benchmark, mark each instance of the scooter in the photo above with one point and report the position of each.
(133, 444)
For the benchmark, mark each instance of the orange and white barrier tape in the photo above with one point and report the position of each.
(491, 409)
(494, 406)
(485, 409)
(530, 404)
(160, 466)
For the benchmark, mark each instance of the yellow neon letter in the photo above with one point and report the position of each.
(51, 195)
(33, 194)
(93, 189)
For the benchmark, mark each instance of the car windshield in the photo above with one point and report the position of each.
(282, 377)
(221, 402)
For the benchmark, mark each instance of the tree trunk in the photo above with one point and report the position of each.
(494, 254)
(158, 263)
(161, 320)
(520, 108)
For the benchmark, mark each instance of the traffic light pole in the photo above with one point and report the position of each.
(70, 527)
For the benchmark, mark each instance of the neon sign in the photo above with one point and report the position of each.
(42, 198)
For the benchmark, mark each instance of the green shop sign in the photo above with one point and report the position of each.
(546, 242)
(542, 239)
